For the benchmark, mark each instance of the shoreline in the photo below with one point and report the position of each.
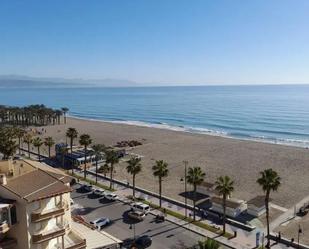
(192, 131)
(242, 160)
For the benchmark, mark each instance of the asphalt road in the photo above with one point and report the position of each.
(164, 235)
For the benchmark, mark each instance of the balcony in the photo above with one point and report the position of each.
(50, 214)
(76, 245)
(59, 210)
(48, 235)
(4, 227)
(73, 240)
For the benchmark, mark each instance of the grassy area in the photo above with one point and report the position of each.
(91, 182)
(188, 219)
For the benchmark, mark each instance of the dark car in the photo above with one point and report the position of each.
(86, 188)
(143, 242)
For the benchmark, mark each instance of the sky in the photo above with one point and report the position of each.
(157, 41)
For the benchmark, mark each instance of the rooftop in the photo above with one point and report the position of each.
(229, 202)
(33, 181)
(208, 185)
(258, 201)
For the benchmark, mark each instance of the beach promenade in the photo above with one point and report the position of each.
(244, 239)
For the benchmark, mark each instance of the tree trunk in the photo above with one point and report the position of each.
(111, 176)
(194, 200)
(39, 154)
(267, 218)
(160, 191)
(224, 212)
(85, 165)
(49, 151)
(133, 186)
(96, 171)
(71, 144)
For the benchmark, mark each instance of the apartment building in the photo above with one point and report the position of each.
(35, 208)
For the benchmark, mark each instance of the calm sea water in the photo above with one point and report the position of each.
(278, 114)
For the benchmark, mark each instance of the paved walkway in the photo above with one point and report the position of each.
(244, 239)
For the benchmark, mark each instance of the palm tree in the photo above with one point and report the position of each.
(28, 140)
(37, 142)
(225, 187)
(20, 134)
(160, 170)
(134, 167)
(195, 177)
(111, 158)
(269, 181)
(64, 111)
(29, 115)
(208, 244)
(72, 134)
(49, 142)
(8, 145)
(85, 141)
(97, 152)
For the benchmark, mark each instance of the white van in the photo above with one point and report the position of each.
(139, 206)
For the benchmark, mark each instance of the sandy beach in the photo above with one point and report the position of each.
(242, 160)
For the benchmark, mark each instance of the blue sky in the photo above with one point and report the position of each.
(170, 42)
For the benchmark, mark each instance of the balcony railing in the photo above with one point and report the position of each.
(48, 235)
(77, 245)
(4, 227)
(59, 210)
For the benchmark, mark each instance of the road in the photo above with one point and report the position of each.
(164, 235)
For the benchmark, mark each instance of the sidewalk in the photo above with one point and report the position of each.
(244, 240)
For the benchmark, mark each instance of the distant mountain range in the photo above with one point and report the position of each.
(27, 81)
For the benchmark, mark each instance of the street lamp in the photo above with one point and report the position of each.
(133, 226)
(185, 180)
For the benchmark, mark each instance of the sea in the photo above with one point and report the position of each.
(267, 113)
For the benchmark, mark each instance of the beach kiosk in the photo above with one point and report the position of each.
(76, 158)
(256, 206)
(206, 188)
(233, 206)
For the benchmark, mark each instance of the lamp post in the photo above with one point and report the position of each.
(133, 226)
(185, 180)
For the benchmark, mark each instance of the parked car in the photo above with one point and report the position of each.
(111, 196)
(98, 192)
(204, 214)
(143, 242)
(87, 188)
(103, 221)
(136, 215)
(139, 206)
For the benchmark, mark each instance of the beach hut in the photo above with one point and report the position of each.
(206, 188)
(233, 206)
(256, 206)
(76, 158)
